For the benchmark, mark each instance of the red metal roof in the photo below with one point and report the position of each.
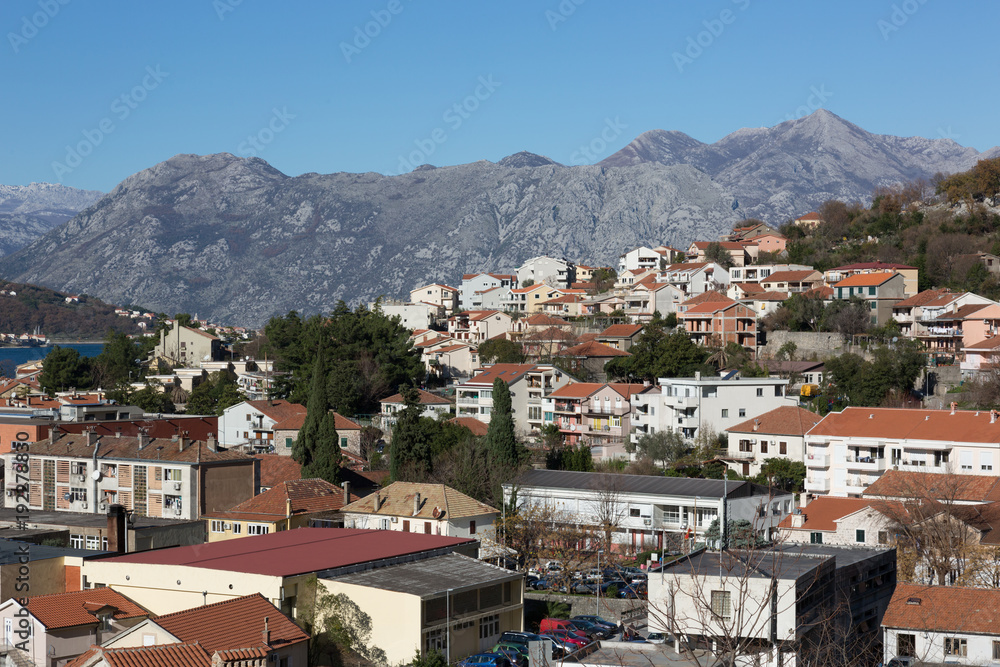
(291, 552)
(233, 624)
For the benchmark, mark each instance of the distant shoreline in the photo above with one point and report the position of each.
(50, 344)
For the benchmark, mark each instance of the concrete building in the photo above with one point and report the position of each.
(186, 345)
(594, 413)
(553, 271)
(51, 569)
(476, 326)
(879, 291)
(690, 405)
(778, 433)
(840, 521)
(640, 258)
(439, 596)
(172, 478)
(650, 512)
(479, 290)
(444, 296)
(528, 384)
(849, 450)
(413, 315)
(909, 273)
(432, 509)
(777, 606)
(937, 625)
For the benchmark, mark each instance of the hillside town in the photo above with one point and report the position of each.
(701, 456)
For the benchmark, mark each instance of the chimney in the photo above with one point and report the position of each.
(288, 507)
(91, 436)
(267, 633)
(143, 438)
(118, 432)
(378, 500)
(347, 492)
(416, 504)
(116, 529)
(953, 406)
(55, 432)
(798, 519)
(756, 424)
(993, 416)
(697, 375)
(213, 445)
(181, 442)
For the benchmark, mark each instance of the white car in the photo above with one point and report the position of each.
(657, 638)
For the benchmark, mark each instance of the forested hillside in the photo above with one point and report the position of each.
(31, 306)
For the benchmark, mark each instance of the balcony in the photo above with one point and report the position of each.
(866, 463)
(748, 456)
(857, 484)
(567, 407)
(467, 399)
(596, 409)
(817, 484)
(817, 460)
(682, 401)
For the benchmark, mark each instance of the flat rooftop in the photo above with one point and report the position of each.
(623, 654)
(53, 519)
(292, 552)
(788, 561)
(432, 577)
(11, 551)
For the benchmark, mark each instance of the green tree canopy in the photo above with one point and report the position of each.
(783, 474)
(501, 440)
(215, 394)
(120, 360)
(501, 351)
(658, 354)
(63, 369)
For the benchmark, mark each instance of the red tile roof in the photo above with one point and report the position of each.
(923, 298)
(592, 348)
(899, 423)
(275, 469)
(711, 296)
(784, 420)
(426, 398)
(621, 331)
(792, 276)
(198, 428)
(66, 610)
(810, 216)
(576, 390)
(477, 427)
(823, 512)
(866, 266)
(935, 486)
(300, 496)
(233, 624)
(866, 279)
(164, 655)
(821, 292)
(438, 501)
(277, 409)
(543, 320)
(292, 552)
(506, 372)
(945, 609)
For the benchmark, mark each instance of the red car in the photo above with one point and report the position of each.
(568, 637)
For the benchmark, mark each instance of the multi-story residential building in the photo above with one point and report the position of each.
(839, 521)
(444, 296)
(251, 424)
(765, 303)
(553, 271)
(432, 509)
(649, 297)
(475, 286)
(431, 405)
(696, 278)
(620, 336)
(879, 290)
(186, 345)
(528, 383)
(909, 313)
(720, 322)
(175, 478)
(909, 273)
(648, 512)
(942, 625)
(794, 604)
(476, 326)
(848, 451)
(742, 253)
(641, 258)
(715, 404)
(778, 433)
(591, 412)
(412, 315)
(756, 273)
(792, 281)
(588, 359)
(451, 360)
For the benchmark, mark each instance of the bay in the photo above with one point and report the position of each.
(12, 357)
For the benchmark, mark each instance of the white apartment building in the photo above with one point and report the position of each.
(437, 294)
(416, 315)
(649, 512)
(849, 450)
(528, 383)
(695, 278)
(639, 258)
(690, 405)
(474, 285)
(755, 273)
(778, 433)
(549, 270)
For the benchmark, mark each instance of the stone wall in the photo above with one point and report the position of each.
(613, 609)
(822, 344)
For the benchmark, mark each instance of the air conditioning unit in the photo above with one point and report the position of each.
(227, 526)
(647, 522)
(83, 505)
(177, 486)
(395, 519)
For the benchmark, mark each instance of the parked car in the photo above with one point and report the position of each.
(596, 619)
(584, 588)
(513, 637)
(633, 591)
(657, 638)
(511, 647)
(485, 660)
(530, 581)
(549, 624)
(593, 630)
(617, 584)
(514, 657)
(570, 637)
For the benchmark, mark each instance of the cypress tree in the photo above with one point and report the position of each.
(406, 435)
(317, 448)
(501, 443)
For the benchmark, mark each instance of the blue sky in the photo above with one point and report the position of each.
(95, 91)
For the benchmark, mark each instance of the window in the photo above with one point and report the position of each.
(427, 527)
(760, 391)
(343, 442)
(288, 442)
(217, 526)
(472, 528)
(956, 646)
(859, 536)
(258, 529)
(94, 542)
(722, 604)
(996, 650)
(237, 528)
(489, 626)
(76, 541)
(633, 512)
(746, 446)
(986, 461)
(871, 292)
(725, 413)
(815, 538)
(782, 447)
(743, 412)
(883, 537)
(763, 446)
(248, 416)
(172, 474)
(672, 514)
(616, 422)
(706, 516)
(78, 493)
(906, 644)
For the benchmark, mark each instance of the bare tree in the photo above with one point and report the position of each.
(607, 508)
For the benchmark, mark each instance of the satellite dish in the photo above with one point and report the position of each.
(67, 496)
(96, 475)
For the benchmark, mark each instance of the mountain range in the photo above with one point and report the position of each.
(237, 240)
(29, 211)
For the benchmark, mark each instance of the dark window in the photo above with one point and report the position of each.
(859, 536)
(472, 528)
(782, 447)
(816, 538)
(406, 526)
(427, 527)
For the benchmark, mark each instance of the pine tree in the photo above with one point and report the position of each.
(326, 456)
(500, 439)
